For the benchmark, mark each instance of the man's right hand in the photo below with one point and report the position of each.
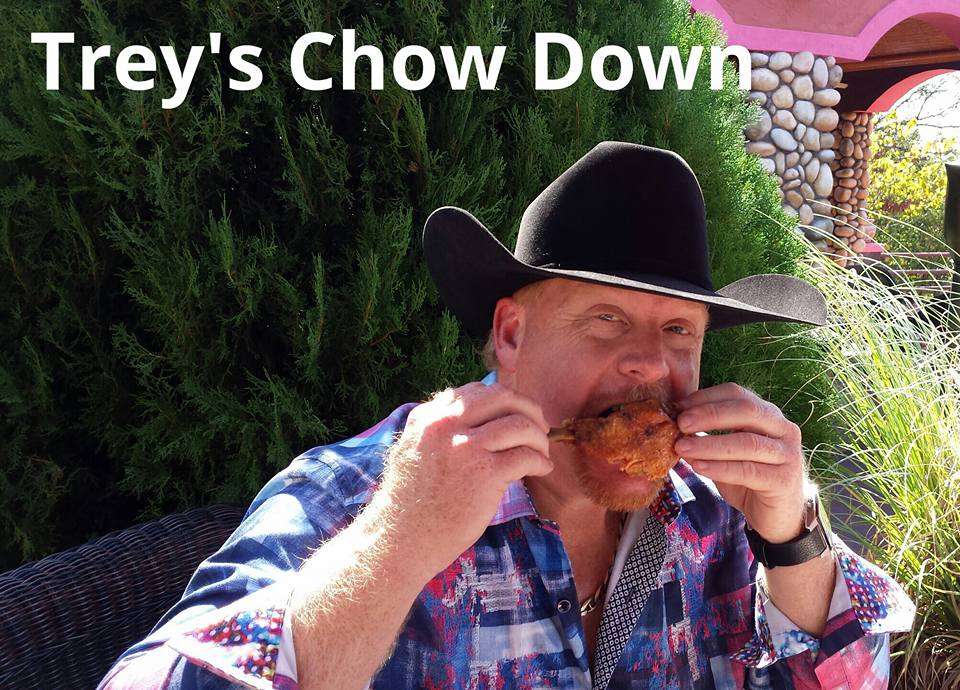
(447, 472)
(441, 484)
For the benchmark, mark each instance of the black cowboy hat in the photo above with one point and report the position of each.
(624, 215)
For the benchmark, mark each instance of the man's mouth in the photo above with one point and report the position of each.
(668, 406)
(610, 404)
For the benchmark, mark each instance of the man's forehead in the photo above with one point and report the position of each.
(582, 293)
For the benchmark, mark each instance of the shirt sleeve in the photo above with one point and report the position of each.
(229, 628)
(248, 643)
(235, 645)
(866, 605)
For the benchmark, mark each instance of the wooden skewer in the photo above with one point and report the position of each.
(565, 433)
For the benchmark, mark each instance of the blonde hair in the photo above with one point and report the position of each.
(526, 296)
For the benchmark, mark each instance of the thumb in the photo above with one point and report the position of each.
(523, 461)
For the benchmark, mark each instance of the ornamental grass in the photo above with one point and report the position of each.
(893, 353)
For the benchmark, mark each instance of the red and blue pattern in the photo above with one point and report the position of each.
(493, 619)
(255, 635)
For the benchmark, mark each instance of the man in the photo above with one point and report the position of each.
(455, 545)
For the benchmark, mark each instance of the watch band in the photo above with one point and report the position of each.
(813, 542)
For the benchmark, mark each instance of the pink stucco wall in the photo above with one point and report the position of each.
(847, 18)
(843, 28)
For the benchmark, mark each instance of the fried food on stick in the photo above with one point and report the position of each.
(638, 435)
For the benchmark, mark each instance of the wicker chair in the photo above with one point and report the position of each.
(66, 618)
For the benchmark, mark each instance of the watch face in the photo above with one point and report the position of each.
(810, 513)
(824, 518)
(814, 514)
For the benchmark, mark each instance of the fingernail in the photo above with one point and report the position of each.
(687, 420)
(683, 445)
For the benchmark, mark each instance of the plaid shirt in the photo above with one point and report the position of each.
(500, 616)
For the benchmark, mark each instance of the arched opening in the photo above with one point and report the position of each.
(893, 94)
(911, 52)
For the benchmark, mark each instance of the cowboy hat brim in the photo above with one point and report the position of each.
(472, 270)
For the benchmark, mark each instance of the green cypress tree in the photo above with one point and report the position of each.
(192, 296)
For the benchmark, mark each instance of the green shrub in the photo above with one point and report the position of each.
(193, 296)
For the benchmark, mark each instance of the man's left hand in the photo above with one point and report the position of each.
(758, 465)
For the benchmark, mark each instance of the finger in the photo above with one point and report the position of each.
(483, 404)
(722, 391)
(735, 446)
(740, 414)
(517, 463)
(756, 476)
(509, 432)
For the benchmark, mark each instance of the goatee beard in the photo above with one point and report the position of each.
(599, 493)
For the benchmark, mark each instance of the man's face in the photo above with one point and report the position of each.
(579, 348)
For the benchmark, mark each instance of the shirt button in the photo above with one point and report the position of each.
(563, 605)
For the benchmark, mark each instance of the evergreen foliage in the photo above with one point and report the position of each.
(193, 296)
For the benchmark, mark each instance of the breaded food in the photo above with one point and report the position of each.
(639, 436)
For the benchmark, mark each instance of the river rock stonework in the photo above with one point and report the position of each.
(797, 137)
(852, 153)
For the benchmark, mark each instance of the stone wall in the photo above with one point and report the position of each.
(794, 136)
(853, 229)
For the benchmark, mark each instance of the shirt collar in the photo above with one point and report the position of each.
(675, 492)
(514, 503)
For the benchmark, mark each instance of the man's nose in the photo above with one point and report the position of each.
(644, 361)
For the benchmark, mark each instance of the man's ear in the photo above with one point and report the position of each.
(509, 322)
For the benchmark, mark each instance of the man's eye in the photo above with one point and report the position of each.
(679, 330)
(607, 317)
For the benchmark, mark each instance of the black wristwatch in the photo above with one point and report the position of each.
(813, 542)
